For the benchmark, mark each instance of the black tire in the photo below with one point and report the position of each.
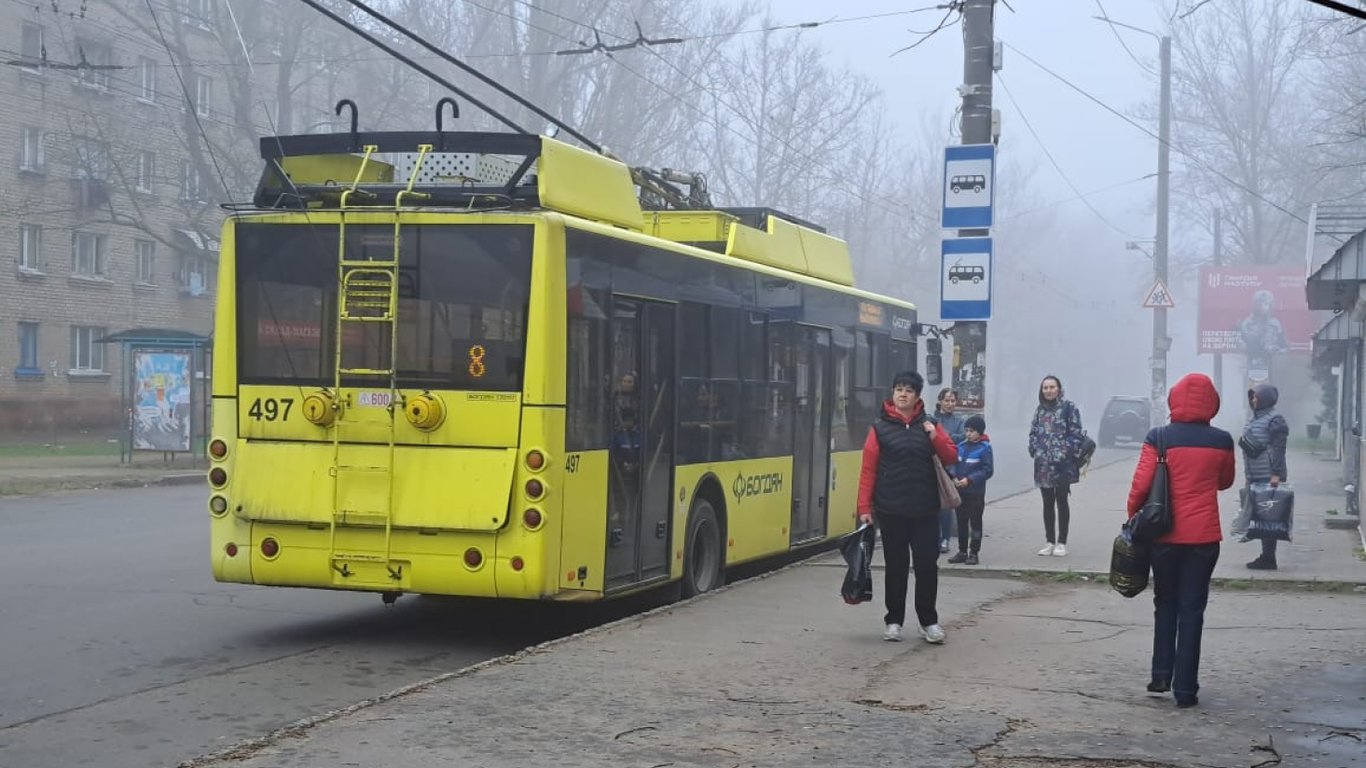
(703, 558)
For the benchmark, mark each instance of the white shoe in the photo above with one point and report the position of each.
(1060, 550)
(1047, 550)
(933, 634)
(893, 633)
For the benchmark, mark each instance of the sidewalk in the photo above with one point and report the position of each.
(1036, 672)
(44, 473)
(1014, 528)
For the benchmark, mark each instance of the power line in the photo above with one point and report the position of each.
(1074, 198)
(1192, 158)
(1333, 5)
(1024, 118)
(1106, 18)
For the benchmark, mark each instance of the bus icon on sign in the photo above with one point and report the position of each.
(959, 274)
(976, 183)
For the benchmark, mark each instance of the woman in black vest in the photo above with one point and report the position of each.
(899, 488)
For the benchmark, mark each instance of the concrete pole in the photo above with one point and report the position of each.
(1160, 341)
(975, 126)
(1218, 262)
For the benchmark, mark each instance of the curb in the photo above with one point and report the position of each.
(30, 486)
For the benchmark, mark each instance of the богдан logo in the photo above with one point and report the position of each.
(756, 485)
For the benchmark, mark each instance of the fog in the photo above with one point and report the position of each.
(837, 115)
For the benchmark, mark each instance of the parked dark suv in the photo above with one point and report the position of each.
(1125, 418)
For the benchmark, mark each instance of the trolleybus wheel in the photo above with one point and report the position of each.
(702, 561)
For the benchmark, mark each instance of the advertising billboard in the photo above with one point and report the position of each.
(161, 405)
(1252, 310)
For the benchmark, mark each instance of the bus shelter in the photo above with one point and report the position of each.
(164, 391)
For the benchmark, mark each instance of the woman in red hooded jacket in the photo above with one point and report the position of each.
(1199, 465)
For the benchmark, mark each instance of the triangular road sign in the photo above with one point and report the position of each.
(1159, 297)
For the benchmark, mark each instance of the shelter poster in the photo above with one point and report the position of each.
(161, 404)
(1257, 311)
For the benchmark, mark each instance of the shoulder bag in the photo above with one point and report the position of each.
(1154, 518)
(948, 492)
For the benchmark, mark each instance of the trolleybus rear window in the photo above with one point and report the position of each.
(463, 292)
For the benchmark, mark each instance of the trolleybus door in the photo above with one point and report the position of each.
(641, 469)
(811, 448)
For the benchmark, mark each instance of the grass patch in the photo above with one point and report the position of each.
(46, 450)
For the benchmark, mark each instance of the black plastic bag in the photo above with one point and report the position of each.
(1273, 511)
(857, 549)
(1129, 564)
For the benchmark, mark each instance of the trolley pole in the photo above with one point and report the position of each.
(970, 337)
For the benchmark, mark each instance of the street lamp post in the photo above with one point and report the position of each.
(1161, 342)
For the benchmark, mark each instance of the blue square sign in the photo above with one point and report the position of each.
(965, 279)
(969, 186)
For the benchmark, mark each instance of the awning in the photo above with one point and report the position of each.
(144, 336)
(196, 241)
(1334, 285)
(1341, 328)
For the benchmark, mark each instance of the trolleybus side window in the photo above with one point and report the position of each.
(846, 428)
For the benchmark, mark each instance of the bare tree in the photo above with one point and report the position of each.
(1241, 121)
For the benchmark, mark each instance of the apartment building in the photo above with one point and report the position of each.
(129, 123)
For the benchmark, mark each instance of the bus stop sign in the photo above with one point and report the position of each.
(969, 186)
(965, 279)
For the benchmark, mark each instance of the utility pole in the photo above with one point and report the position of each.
(975, 126)
(1164, 131)
(1218, 262)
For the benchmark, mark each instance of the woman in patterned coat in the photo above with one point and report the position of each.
(1055, 444)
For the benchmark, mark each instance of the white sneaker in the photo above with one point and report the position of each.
(893, 633)
(1047, 550)
(1060, 550)
(933, 634)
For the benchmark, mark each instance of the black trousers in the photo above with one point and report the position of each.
(907, 541)
(1181, 575)
(1056, 497)
(970, 522)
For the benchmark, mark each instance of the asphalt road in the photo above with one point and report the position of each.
(121, 650)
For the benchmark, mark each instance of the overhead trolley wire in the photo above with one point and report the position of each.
(470, 70)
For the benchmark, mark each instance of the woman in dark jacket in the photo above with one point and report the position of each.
(1055, 440)
(1199, 465)
(899, 489)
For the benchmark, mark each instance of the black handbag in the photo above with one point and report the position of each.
(1154, 518)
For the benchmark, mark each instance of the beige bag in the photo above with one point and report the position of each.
(948, 492)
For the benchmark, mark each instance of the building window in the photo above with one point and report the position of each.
(194, 274)
(28, 351)
(87, 254)
(147, 166)
(92, 159)
(147, 76)
(189, 182)
(32, 48)
(200, 13)
(31, 247)
(145, 251)
(93, 62)
(86, 353)
(31, 155)
(203, 95)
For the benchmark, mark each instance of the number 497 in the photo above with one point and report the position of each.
(270, 408)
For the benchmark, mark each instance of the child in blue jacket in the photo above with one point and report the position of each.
(975, 465)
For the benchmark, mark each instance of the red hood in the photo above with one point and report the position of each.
(1193, 399)
(889, 408)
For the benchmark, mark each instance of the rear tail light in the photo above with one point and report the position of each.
(231, 549)
(218, 505)
(535, 460)
(218, 477)
(218, 449)
(534, 489)
(473, 558)
(270, 548)
(517, 563)
(532, 519)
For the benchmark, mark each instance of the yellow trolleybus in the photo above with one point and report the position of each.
(471, 364)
